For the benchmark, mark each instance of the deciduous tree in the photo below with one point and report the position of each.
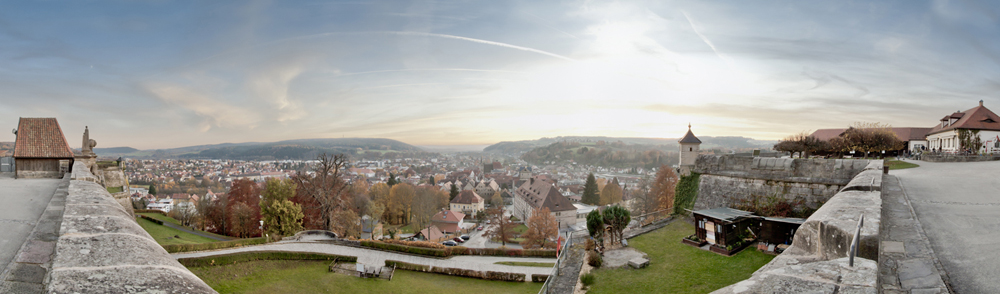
(501, 228)
(542, 230)
(611, 194)
(322, 192)
(281, 216)
(663, 189)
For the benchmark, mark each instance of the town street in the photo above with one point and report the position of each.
(958, 205)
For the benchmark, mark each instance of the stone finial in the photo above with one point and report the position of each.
(88, 143)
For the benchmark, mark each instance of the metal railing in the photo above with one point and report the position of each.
(559, 260)
(854, 242)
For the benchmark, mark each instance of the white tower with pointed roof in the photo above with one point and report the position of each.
(689, 151)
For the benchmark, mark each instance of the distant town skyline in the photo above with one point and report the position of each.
(157, 75)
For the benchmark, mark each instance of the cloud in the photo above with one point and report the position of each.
(214, 113)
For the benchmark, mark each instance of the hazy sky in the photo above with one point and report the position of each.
(168, 74)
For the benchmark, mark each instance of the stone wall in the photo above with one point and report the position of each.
(946, 157)
(101, 249)
(728, 179)
(817, 260)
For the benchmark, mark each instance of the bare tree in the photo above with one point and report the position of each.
(503, 227)
(324, 190)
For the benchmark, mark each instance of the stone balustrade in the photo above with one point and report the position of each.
(101, 249)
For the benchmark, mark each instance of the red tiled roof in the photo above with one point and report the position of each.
(40, 138)
(448, 216)
(467, 197)
(976, 118)
(432, 233)
(544, 194)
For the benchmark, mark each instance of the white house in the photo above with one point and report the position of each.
(944, 137)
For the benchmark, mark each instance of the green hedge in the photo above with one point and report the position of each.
(150, 211)
(159, 222)
(407, 266)
(174, 248)
(260, 255)
(539, 278)
(459, 250)
(405, 249)
(686, 192)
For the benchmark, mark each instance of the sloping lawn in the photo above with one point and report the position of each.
(897, 164)
(295, 276)
(161, 234)
(678, 268)
(168, 219)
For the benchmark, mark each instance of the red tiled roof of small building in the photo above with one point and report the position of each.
(467, 197)
(40, 138)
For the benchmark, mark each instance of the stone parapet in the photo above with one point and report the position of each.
(819, 171)
(817, 260)
(101, 249)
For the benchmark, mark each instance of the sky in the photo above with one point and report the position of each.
(164, 74)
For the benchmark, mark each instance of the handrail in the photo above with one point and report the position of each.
(854, 242)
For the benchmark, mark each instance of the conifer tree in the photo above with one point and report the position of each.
(591, 195)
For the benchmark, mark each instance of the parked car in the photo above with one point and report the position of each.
(459, 240)
(480, 228)
(449, 243)
(465, 237)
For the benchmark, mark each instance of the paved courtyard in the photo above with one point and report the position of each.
(21, 204)
(958, 205)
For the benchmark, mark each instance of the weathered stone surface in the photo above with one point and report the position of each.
(101, 249)
(36, 252)
(832, 276)
(127, 279)
(638, 262)
(28, 273)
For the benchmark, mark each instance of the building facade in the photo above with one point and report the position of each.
(689, 145)
(536, 194)
(979, 121)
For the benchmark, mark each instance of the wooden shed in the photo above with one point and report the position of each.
(722, 226)
(41, 150)
(778, 230)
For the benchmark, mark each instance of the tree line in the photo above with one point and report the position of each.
(860, 137)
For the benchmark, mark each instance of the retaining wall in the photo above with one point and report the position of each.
(101, 249)
(817, 260)
(726, 180)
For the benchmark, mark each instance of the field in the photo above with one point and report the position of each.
(678, 268)
(165, 235)
(295, 276)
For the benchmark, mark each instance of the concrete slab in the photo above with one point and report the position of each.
(893, 247)
(21, 204)
(956, 204)
(38, 252)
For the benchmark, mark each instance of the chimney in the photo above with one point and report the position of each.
(532, 181)
(980, 102)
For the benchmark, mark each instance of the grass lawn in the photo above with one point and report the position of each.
(168, 219)
(896, 164)
(160, 233)
(678, 268)
(520, 229)
(521, 263)
(299, 276)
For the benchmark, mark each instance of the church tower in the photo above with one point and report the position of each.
(689, 151)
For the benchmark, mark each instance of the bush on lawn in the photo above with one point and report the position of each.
(260, 255)
(150, 211)
(407, 266)
(174, 248)
(424, 244)
(405, 249)
(594, 259)
(587, 279)
(158, 222)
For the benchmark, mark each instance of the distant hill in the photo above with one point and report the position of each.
(668, 144)
(282, 150)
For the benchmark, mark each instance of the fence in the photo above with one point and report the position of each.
(563, 252)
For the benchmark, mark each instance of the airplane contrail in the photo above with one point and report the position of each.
(706, 40)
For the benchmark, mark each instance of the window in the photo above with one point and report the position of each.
(690, 149)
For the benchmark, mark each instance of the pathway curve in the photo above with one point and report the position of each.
(956, 204)
(376, 257)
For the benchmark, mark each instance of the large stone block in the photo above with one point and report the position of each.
(126, 279)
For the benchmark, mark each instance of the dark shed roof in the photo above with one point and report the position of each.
(724, 213)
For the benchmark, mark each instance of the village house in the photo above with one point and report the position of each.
(468, 202)
(448, 221)
(536, 194)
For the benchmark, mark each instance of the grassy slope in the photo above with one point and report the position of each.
(678, 268)
(896, 164)
(290, 276)
(177, 222)
(160, 233)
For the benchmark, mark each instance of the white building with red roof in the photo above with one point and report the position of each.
(448, 221)
(945, 135)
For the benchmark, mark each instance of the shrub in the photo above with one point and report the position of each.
(424, 244)
(174, 248)
(261, 255)
(587, 279)
(158, 222)
(150, 211)
(539, 278)
(590, 245)
(407, 266)
(594, 259)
